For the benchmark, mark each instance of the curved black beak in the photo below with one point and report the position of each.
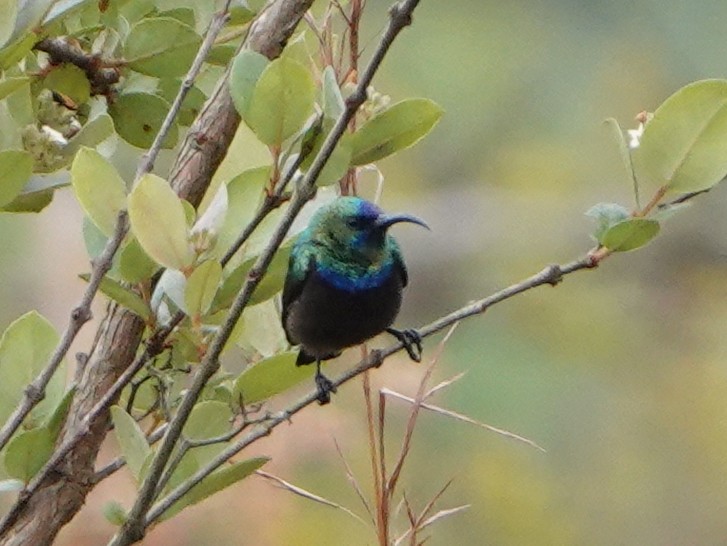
(387, 220)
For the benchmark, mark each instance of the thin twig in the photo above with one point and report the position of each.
(120, 230)
(81, 314)
(137, 520)
(551, 275)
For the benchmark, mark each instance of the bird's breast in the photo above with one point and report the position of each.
(334, 312)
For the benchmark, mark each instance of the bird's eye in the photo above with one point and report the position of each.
(356, 222)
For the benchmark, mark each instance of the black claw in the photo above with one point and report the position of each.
(325, 386)
(412, 342)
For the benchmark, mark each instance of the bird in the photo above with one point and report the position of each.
(344, 284)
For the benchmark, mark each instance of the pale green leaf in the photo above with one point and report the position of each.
(684, 145)
(122, 295)
(25, 348)
(269, 377)
(606, 215)
(215, 482)
(16, 167)
(161, 47)
(159, 223)
(333, 105)
(135, 265)
(8, 85)
(138, 117)
(27, 452)
(98, 188)
(244, 75)
(69, 80)
(132, 441)
(281, 102)
(114, 513)
(629, 234)
(201, 287)
(9, 10)
(396, 128)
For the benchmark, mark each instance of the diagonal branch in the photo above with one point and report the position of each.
(135, 525)
(36, 517)
(550, 275)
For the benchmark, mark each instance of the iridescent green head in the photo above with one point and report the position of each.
(356, 224)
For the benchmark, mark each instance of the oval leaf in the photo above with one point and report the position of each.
(69, 80)
(629, 234)
(27, 452)
(25, 349)
(158, 221)
(394, 129)
(122, 295)
(99, 189)
(684, 145)
(16, 167)
(161, 47)
(138, 118)
(281, 102)
(215, 482)
(132, 441)
(269, 377)
(201, 287)
(246, 70)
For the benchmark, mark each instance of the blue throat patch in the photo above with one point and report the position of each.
(350, 283)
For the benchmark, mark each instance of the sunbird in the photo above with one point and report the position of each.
(344, 284)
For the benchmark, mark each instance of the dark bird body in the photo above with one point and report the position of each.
(344, 283)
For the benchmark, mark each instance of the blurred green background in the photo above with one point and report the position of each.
(619, 373)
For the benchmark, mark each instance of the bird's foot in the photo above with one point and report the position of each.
(412, 342)
(325, 388)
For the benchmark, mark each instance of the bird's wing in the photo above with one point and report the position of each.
(300, 266)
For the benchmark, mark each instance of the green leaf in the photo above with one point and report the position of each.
(99, 189)
(158, 221)
(192, 103)
(8, 85)
(114, 513)
(57, 418)
(684, 145)
(161, 47)
(207, 420)
(333, 105)
(630, 234)
(132, 441)
(201, 287)
(271, 284)
(122, 295)
(336, 166)
(25, 348)
(216, 482)
(281, 102)
(240, 13)
(269, 377)
(624, 152)
(244, 193)
(260, 329)
(93, 133)
(94, 240)
(27, 452)
(69, 80)
(396, 128)
(16, 167)
(138, 118)
(30, 202)
(11, 54)
(246, 70)
(135, 265)
(606, 215)
(9, 9)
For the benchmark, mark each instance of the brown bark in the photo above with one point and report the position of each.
(63, 493)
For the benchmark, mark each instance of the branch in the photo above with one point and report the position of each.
(551, 275)
(35, 516)
(81, 314)
(135, 525)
